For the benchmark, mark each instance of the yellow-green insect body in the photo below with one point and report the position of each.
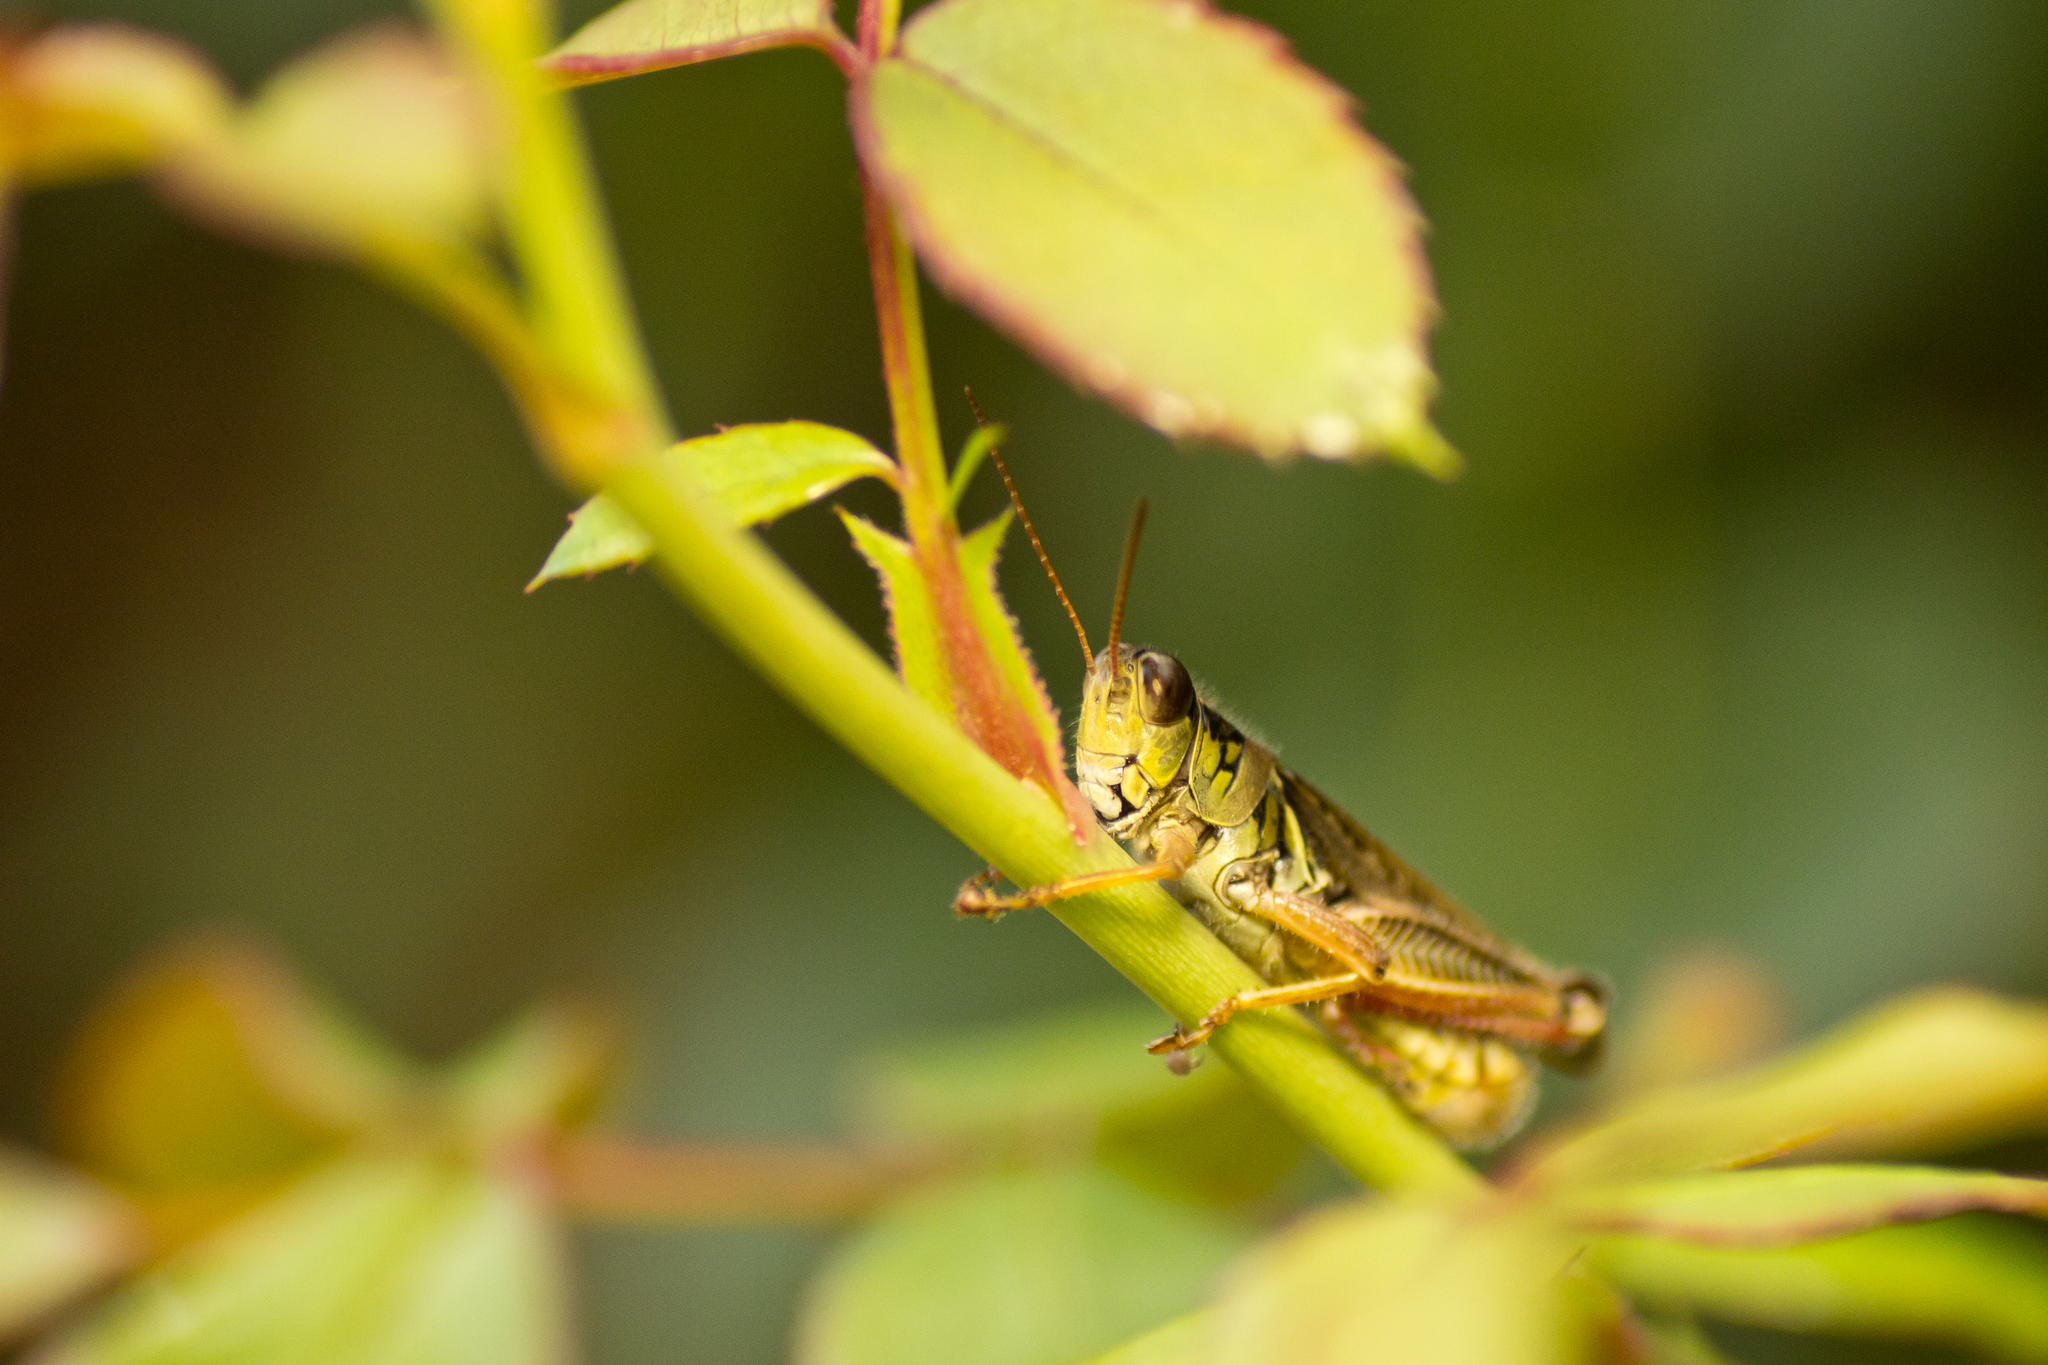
(1451, 1017)
(1447, 1014)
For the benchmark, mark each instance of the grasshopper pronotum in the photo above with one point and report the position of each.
(1444, 1012)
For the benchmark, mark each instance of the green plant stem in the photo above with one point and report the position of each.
(577, 298)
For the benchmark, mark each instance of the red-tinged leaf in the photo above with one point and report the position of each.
(957, 647)
(1166, 207)
(1971, 1283)
(1945, 1068)
(1024, 690)
(87, 100)
(653, 35)
(1788, 1205)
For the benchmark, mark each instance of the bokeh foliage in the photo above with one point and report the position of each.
(1732, 631)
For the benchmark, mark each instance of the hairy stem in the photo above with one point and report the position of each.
(906, 369)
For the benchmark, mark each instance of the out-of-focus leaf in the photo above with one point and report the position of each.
(973, 452)
(1940, 1068)
(1169, 209)
(1184, 1341)
(913, 621)
(1422, 1284)
(1032, 1267)
(1969, 1282)
(1678, 1343)
(1786, 1205)
(759, 472)
(1082, 1080)
(216, 1071)
(373, 143)
(396, 1260)
(1047, 1075)
(546, 1072)
(86, 100)
(58, 1235)
(652, 35)
(1705, 1013)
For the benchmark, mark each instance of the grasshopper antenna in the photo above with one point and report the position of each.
(995, 453)
(1123, 577)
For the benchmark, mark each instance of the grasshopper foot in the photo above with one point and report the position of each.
(1178, 1047)
(978, 898)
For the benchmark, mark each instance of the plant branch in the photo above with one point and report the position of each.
(627, 1180)
(577, 299)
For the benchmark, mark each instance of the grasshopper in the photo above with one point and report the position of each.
(1449, 1016)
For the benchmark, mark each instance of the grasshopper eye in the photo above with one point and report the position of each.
(1165, 692)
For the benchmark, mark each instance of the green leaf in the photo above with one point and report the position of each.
(1945, 1068)
(1705, 1012)
(652, 35)
(212, 1072)
(372, 143)
(957, 647)
(1083, 1077)
(1166, 207)
(1678, 1343)
(85, 100)
(759, 472)
(1184, 1341)
(58, 1235)
(979, 443)
(1787, 1205)
(1422, 1284)
(396, 1260)
(1031, 1267)
(545, 1072)
(913, 622)
(1973, 1283)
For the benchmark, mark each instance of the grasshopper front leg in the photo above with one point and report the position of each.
(979, 898)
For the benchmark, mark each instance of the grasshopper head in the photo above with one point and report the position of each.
(1137, 721)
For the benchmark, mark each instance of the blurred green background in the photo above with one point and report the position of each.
(1736, 631)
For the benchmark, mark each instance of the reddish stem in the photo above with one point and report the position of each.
(615, 1179)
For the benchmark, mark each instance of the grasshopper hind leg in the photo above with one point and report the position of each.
(1474, 1090)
